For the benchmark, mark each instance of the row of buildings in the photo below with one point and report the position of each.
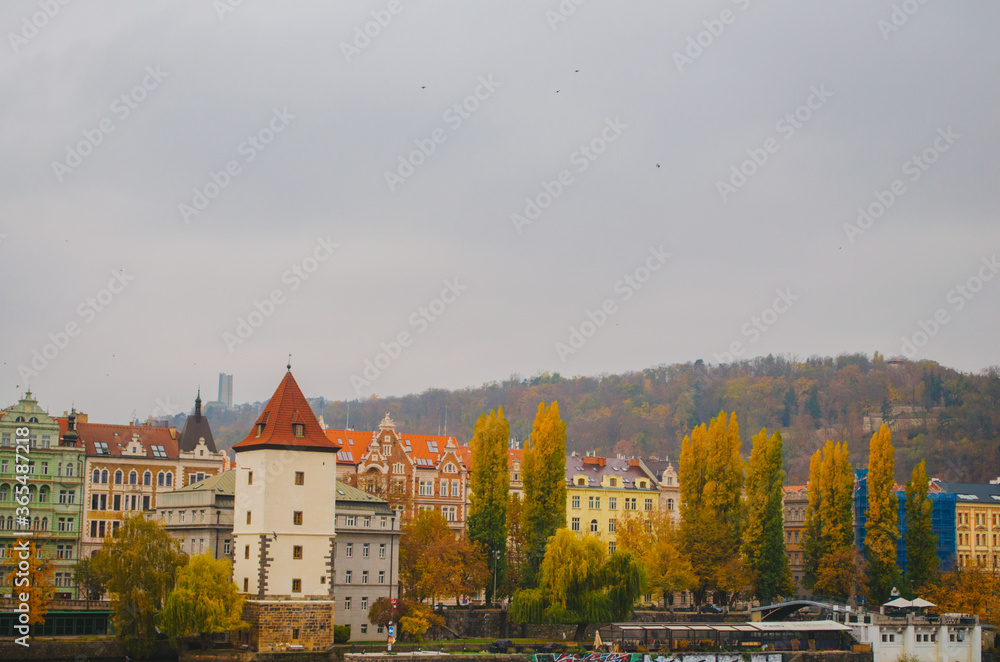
(84, 477)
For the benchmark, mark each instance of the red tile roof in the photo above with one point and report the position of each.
(353, 444)
(514, 453)
(118, 437)
(287, 407)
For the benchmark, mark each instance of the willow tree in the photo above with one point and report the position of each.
(544, 478)
(882, 523)
(140, 560)
(204, 601)
(921, 543)
(579, 584)
(764, 530)
(490, 487)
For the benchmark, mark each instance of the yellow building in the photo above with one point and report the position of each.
(977, 522)
(600, 491)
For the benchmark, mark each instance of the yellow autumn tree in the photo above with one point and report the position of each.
(656, 541)
(544, 475)
(711, 478)
(828, 536)
(35, 580)
(882, 518)
(204, 600)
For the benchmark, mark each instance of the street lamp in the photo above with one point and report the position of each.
(496, 559)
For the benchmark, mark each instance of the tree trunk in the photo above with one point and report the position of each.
(581, 629)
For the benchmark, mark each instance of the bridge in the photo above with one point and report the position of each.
(782, 610)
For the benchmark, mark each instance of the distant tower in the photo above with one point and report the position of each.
(226, 390)
(284, 525)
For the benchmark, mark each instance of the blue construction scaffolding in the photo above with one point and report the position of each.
(942, 522)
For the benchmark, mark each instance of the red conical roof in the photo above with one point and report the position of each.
(287, 423)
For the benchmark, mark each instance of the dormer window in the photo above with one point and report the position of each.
(614, 482)
(299, 429)
(581, 481)
(260, 429)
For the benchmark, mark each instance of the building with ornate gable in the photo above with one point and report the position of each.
(284, 531)
(128, 466)
(413, 472)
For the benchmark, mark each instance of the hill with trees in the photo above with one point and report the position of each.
(949, 418)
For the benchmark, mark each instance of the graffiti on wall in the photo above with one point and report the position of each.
(653, 657)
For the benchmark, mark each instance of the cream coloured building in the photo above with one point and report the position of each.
(284, 526)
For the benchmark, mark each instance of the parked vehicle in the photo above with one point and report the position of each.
(711, 609)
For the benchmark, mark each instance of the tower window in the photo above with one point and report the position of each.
(299, 429)
(297, 517)
(300, 478)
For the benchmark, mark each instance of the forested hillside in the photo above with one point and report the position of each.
(950, 418)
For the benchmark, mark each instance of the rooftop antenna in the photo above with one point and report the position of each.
(446, 420)
(347, 426)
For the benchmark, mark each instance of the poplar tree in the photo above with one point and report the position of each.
(921, 543)
(881, 527)
(544, 477)
(828, 536)
(490, 487)
(764, 531)
(711, 477)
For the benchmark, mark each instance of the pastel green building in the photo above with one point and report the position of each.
(54, 478)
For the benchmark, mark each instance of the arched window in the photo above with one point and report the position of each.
(43, 495)
(147, 478)
(33, 419)
(3, 492)
(104, 475)
(97, 475)
(119, 475)
(133, 477)
(69, 468)
(593, 526)
(36, 524)
(170, 479)
(45, 524)
(160, 479)
(10, 523)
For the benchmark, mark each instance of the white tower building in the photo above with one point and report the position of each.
(284, 525)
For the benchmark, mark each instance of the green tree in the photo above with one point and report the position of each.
(490, 487)
(764, 531)
(921, 543)
(517, 544)
(140, 560)
(204, 600)
(580, 584)
(881, 526)
(89, 577)
(544, 477)
(36, 582)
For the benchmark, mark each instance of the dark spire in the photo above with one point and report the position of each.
(197, 404)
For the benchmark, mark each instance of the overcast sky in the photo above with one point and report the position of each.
(195, 188)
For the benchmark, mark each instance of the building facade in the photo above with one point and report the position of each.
(794, 504)
(284, 526)
(48, 493)
(366, 559)
(412, 472)
(977, 522)
(601, 491)
(200, 515)
(129, 466)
